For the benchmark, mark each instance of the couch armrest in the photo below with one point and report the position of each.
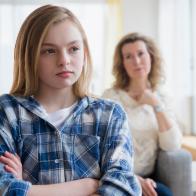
(174, 169)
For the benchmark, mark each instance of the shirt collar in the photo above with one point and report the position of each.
(32, 105)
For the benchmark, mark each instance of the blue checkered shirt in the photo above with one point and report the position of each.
(93, 142)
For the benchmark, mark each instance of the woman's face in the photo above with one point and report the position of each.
(136, 60)
(62, 57)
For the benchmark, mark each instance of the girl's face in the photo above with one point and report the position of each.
(62, 57)
(136, 60)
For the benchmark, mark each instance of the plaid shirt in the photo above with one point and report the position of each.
(94, 142)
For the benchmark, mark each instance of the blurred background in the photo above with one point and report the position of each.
(171, 23)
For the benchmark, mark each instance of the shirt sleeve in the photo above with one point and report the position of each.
(9, 185)
(117, 159)
(172, 138)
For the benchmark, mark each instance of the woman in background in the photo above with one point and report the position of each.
(137, 69)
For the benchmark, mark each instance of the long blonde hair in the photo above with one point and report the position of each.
(122, 80)
(28, 46)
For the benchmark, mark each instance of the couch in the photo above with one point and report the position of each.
(174, 169)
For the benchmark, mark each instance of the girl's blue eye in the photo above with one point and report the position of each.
(48, 51)
(74, 49)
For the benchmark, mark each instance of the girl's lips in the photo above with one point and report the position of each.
(64, 74)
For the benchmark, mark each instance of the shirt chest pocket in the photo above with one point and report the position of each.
(86, 156)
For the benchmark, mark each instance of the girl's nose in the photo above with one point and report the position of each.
(64, 58)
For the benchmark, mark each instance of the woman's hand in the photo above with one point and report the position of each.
(148, 186)
(148, 97)
(12, 164)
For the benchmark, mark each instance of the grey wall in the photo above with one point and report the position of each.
(141, 16)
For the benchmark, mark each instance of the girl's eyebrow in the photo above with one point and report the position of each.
(48, 44)
(54, 45)
(127, 53)
(75, 42)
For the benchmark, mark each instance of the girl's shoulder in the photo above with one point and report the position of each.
(12, 101)
(7, 99)
(8, 106)
(101, 101)
(105, 105)
(10, 97)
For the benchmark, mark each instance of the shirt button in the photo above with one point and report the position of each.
(56, 160)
